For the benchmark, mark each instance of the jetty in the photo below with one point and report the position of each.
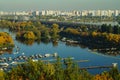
(114, 65)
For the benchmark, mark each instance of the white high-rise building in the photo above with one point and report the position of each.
(98, 13)
(104, 13)
(43, 12)
(91, 13)
(84, 13)
(116, 12)
(1, 12)
(110, 13)
(36, 13)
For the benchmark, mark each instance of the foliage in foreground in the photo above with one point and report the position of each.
(55, 71)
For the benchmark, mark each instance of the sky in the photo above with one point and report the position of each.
(65, 5)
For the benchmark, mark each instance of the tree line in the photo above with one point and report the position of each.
(106, 36)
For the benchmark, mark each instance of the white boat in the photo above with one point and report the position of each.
(47, 55)
(34, 60)
(14, 62)
(55, 55)
(4, 64)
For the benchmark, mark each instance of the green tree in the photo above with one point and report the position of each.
(2, 75)
(114, 72)
(55, 31)
(104, 28)
(84, 28)
(37, 24)
(59, 72)
(45, 34)
(29, 35)
(116, 29)
(110, 29)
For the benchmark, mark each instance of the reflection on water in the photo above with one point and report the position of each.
(55, 43)
(103, 50)
(27, 42)
(9, 51)
(112, 51)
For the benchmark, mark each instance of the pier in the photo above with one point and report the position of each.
(114, 65)
(96, 67)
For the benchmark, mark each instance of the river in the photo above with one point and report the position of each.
(63, 50)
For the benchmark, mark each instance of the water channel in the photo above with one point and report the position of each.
(63, 50)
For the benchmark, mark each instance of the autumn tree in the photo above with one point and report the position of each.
(29, 35)
(6, 39)
(55, 31)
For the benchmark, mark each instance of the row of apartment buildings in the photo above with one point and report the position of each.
(65, 13)
(83, 13)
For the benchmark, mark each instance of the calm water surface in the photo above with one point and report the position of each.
(63, 50)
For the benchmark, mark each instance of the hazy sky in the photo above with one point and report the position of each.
(20, 5)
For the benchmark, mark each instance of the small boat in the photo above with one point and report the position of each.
(4, 64)
(34, 60)
(23, 53)
(5, 48)
(47, 55)
(55, 55)
(14, 63)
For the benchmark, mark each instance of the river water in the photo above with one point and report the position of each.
(63, 50)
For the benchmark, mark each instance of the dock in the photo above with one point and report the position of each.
(96, 67)
(114, 65)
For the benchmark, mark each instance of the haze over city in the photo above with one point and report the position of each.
(25, 5)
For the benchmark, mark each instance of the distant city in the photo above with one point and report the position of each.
(108, 13)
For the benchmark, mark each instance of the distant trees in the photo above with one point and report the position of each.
(55, 31)
(113, 38)
(84, 28)
(37, 31)
(29, 35)
(116, 29)
(109, 29)
(72, 31)
(45, 34)
(37, 24)
(5, 24)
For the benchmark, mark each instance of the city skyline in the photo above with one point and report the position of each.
(67, 13)
(26, 5)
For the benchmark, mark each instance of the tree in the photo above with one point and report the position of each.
(6, 39)
(37, 34)
(114, 72)
(94, 34)
(116, 29)
(55, 31)
(84, 28)
(104, 28)
(72, 31)
(37, 24)
(1, 75)
(45, 34)
(29, 35)
(110, 29)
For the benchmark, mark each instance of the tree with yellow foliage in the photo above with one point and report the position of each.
(6, 40)
(29, 35)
